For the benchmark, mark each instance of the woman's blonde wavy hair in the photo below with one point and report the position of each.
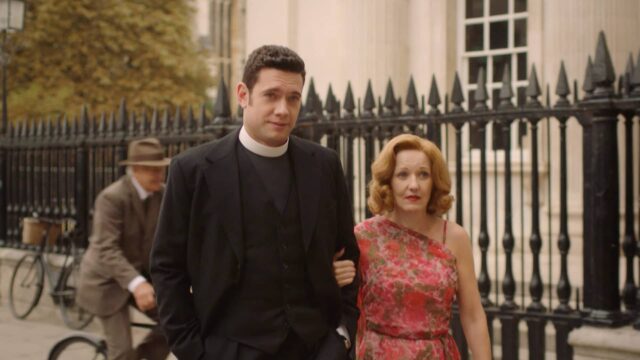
(380, 199)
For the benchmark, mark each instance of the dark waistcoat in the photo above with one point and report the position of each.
(274, 295)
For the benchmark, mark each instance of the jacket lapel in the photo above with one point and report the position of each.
(307, 175)
(151, 218)
(224, 185)
(135, 200)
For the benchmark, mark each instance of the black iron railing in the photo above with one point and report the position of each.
(56, 167)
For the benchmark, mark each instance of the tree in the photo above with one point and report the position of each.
(77, 52)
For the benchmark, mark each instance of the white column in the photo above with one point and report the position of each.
(355, 40)
(340, 40)
(432, 43)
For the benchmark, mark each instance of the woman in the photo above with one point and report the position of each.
(413, 263)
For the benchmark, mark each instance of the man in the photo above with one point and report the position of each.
(242, 259)
(114, 269)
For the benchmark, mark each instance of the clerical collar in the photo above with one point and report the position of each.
(260, 149)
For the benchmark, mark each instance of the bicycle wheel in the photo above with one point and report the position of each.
(79, 347)
(26, 285)
(73, 315)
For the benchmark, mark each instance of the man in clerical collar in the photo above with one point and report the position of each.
(114, 272)
(242, 260)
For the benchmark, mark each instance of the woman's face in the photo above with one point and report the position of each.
(411, 182)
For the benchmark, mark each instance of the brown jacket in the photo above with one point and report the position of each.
(119, 247)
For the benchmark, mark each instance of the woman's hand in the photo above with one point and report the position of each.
(343, 270)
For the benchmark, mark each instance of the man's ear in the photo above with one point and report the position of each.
(242, 93)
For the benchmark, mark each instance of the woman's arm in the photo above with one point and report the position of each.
(472, 316)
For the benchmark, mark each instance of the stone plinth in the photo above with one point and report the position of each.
(590, 343)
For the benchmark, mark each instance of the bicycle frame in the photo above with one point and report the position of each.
(59, 274)
(52, 275)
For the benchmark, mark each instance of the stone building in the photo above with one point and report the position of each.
(356, 41)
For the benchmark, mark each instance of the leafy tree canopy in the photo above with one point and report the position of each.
(76, 52)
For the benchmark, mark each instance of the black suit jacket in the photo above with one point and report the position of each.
(198, 251)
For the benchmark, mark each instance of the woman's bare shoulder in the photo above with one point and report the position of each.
(457, 237)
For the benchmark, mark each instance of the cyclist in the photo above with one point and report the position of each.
(114, 269)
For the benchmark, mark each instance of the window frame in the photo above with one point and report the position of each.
(464, 57)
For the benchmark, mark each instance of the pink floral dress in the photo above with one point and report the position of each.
(408, 285)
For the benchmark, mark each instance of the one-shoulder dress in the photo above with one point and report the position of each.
(409, 283)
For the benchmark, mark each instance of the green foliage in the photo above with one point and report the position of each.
(75, 52)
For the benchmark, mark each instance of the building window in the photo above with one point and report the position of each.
(495, 36)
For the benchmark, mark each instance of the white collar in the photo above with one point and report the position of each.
(260, 149)
(142, 193)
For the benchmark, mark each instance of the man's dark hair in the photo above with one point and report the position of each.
(271, 56)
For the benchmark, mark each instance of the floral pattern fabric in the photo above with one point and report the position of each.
(409, 283)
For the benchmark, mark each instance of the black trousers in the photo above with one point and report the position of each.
(293, 348)
(330, 347)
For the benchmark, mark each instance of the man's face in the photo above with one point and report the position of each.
(150, 178)
(271, 108)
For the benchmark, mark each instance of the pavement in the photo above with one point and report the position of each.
(33, 337)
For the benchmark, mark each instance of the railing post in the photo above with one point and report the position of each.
(369, 139)
(457, 98)
(10, 189)
(563, 289)
(433, 132)
(535, 323)
(4, 137)
(508, 318)
(121, 147)
(4, 181)
(4, 140)
(82, 178)
(601, 196)
(352, 133)
(484, 281)
(634, 83)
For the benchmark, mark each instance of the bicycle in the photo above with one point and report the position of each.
(79, 346)
(27, 280)
(84, 346)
